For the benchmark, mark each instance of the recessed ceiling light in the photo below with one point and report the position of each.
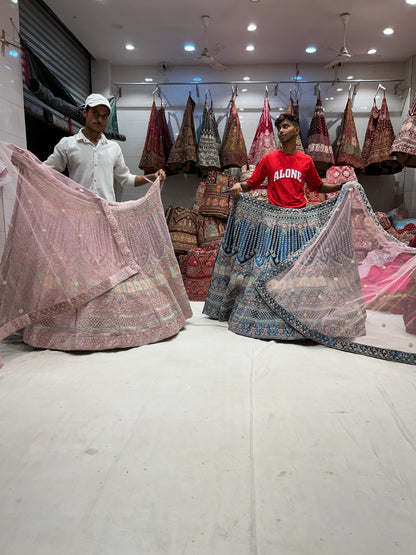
(372, 51)
(388, 31)
(250, 47)
(246, 78)
(411, 2)
(189, 47)
(255, 0)
(197, 79)
(331, 98)
(339, 89)
(364, 107)
(148, 79)
(310, 49)
(129, 47)
(350, 77)
(251, 27)
(244, 90)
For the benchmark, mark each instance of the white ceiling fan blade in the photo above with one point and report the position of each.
(217, 66)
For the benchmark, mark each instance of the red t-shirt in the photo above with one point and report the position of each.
(286, 174)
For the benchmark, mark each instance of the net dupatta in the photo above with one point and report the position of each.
(67, 247)
(352, 287)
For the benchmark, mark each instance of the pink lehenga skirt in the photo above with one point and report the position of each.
(82, 273)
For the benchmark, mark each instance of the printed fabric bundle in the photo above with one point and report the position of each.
(82, 273)
(216, 200)
(347, 152)
(158, 142)
(183, 228)
(183, 156)
(198, 271)
(378, 141)
(233, 150)
(404, 145)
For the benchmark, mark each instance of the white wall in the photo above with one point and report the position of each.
(12, 121)
(133, 110)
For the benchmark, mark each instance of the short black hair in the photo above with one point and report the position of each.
(286, 115)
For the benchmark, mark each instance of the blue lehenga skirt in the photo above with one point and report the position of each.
(258, 237)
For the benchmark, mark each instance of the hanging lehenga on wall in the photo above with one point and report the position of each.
(183, 156)
(208, 151)
(404, 145)
(347, 151)
(233, 149)
(378, 141)
(158, 142)
(319, 144)
(263, 143)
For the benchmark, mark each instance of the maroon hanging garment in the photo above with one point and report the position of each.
(263, 143)
(319, 144)
(166, 139)
(182, 157)
(379, 161)
(233, 152)
(153, 156)
(348, 151)
(264, 140)
(404, 145)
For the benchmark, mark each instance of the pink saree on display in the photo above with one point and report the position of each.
(82, 273)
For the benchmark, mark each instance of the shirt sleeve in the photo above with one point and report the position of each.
(58, 159)
(121, 172)
(313, 180)
(258, 176)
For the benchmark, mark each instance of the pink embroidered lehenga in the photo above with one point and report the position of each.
(82, 273)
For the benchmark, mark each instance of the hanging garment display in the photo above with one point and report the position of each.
(338, 175)
(82, 273)
(293, 108)
(378, 140)
(183, 157)
(208, 152)
(404, 145)
(347, 151)
(233, 150)
(264, 140)
(158, 141)
(291, 274)
(319, 144)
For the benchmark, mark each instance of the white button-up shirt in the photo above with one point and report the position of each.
(93, 166)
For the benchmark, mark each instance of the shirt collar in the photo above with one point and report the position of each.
(80, 137)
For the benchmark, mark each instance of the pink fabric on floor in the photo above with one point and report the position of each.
(82, 273)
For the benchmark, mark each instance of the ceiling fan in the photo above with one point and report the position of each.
(206, 56)
(343, 55)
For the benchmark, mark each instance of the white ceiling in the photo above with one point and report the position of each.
(159, 29)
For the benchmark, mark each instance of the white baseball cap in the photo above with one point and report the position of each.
(97, 100)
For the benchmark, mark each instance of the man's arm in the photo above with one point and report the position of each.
(326, 188)
(238, 188)
(141, 179)
(57, 160)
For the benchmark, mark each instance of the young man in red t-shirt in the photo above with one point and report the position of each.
(287, 170)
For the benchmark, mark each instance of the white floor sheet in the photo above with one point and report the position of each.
(206, 444)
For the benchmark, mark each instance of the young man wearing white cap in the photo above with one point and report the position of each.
(92, 160)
